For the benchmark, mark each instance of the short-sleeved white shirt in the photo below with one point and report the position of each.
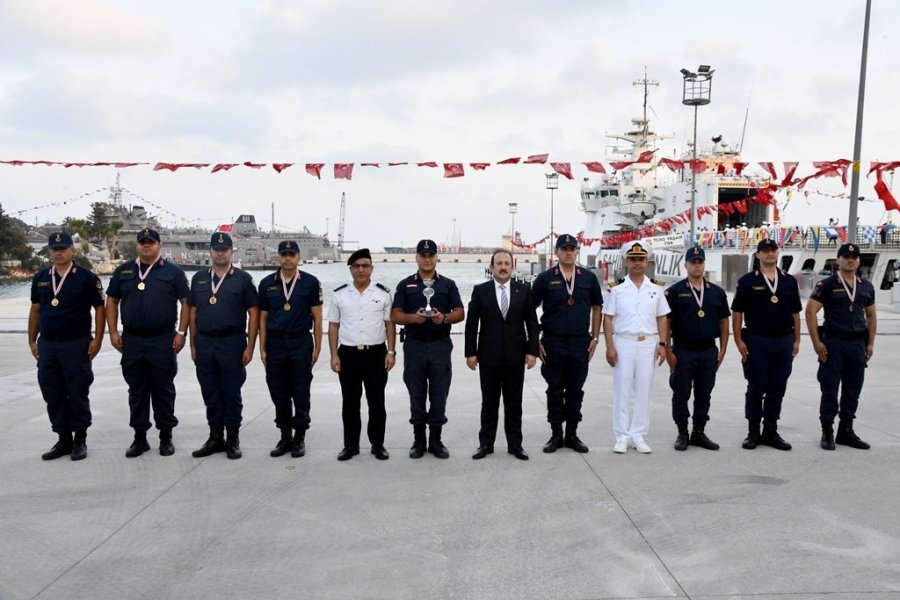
(636, 308)
(361, 315)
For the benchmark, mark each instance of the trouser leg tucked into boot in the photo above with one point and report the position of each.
(682, 440)
(699, 438)
(435, 446)
(79, 444)
(166, 447)
(827, 442)
(284, 444)
(215, 443)
(556, 438)
(417, 450)
(771, 438)
(298, 445)
(63, 447)
(571, 439)
(847, 437)
(139, 445)
(752, 439)
(233, 443)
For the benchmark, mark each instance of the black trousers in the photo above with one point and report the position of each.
(565, 369)
(221, 374)
(767, 368)
(149, 367)
(65, 377)
(497, 380)
(363, 368)
(427, 372)
(844, 369)
(289, 377)
(695, 369)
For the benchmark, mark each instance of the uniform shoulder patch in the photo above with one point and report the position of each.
(381, 286)
(659, 282)
(340, 287)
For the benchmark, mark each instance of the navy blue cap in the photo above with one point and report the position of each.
(220, 241)
(59, 239)
(695, 253)
(848, 250)
(288, 246)
(361, 253)
(148, 234)
(426, 247)
(766, 244)
(566, 240)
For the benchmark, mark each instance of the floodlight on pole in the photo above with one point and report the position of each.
(697, 92)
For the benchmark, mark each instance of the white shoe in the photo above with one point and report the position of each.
(620, 448)
(642, 447)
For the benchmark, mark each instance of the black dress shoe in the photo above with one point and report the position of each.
(575, 444)
(347, 453)
(681, 442)
(482, 452)
(58, 450)
(380, 452)
(137, 448)
(79, 450)
(698, 438)
(166, 447)
(554, 443)
(518, 452)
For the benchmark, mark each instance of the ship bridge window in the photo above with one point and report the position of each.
(809, 265)
(786, 262)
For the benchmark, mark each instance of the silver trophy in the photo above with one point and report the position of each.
(428, 292)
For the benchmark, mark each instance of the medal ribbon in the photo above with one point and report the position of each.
(771, 287)
(698, 299)
(57, 288)
(851, 295)
(570, 285)
(212, 280)
(288, 292)
(142, 275)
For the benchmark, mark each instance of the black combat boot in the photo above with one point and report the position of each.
(417, 450)
(233, 442)
(434, 443)
(752, 439)
(166, 447)
(284, 444)
(139, 445)
(79, 445)
(771, 438)
(215, 443)
(298, 445)
(827, 442)
(846, 436)
(556, 440)
(571, 438)
(63, 447)
(682, 440)
(699, 438)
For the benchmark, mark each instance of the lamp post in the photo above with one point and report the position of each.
(552, 184)
(697, 89)
(513, 209)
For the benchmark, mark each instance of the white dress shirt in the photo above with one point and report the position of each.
(361, 315)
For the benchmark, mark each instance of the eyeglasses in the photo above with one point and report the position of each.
(358, 266)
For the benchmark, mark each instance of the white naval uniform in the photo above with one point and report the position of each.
(634, 311)
(361, 315)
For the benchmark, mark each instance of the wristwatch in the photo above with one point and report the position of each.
(392, 352)
(184, 333)
(664, 344)
(445, 319)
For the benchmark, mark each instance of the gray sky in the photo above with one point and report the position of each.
(407, 80)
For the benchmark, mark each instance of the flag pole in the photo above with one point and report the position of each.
(857, 141)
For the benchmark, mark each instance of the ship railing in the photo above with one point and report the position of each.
(812, 237)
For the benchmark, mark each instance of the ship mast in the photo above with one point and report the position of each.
(645, 124)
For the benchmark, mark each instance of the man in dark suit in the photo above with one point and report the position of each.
(506, 343)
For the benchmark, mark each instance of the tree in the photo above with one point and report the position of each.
(97, 223)
(13, 241)
(80, 227)
(128, 250)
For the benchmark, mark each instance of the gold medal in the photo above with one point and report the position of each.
(54, 302)
(774, 299)
(287, 306)
(850, 308)
(571, 301)
(701, 314)
(212, 300)
(141, 286)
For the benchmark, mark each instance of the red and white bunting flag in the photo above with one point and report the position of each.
(165, 167)
(429, 163)
(883, 193)
(595, 167)
(697, 166)
(646, 156)
(672, 164)
(883, 166)
(537, 159)
(789, 169)
(769, 168)
(563, 168)
(397, 164)
(510, 161)
(222, 167)
(376, 165)
(253, 165)
(343, 171)
(479, 166)
(453, 170)
(226, 227)
(739, 167)
(279, 167)
(315, 169)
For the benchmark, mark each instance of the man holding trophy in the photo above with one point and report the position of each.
(427, 304)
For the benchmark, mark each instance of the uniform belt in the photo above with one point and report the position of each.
(363, 347)
(640, 337)
(286, 335)
(432, 337)
(848, 336)
(147, 333)
(771, 334)
(221, 333)
(63, 337)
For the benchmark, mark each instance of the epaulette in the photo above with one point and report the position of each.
(381, 286)
(613, 284)
(659, 282)
(340, 287)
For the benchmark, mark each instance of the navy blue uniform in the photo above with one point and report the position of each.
(694, 345)
(769, 335)
(565, 336)
(221, 341)
(64, 366)
(148, 319)
(845, 334)
(427, 369)
(289, 346)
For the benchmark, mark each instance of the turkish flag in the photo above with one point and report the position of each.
(673, 165)
(279, 167)
(595, 167)
(563, 168)
(789, 168)
(510, 161)
(226, 227)
(883, 166)
(697, 166)
(223, 167)
(646, 156)
(536, 159)
(453, 170)
(739, 167)
(397, 164)
(343, 171)
(376, 165)
(254, 165)
(770, 169)
(890, 203)
(429, 163)
(315, 169)
(479, 166)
